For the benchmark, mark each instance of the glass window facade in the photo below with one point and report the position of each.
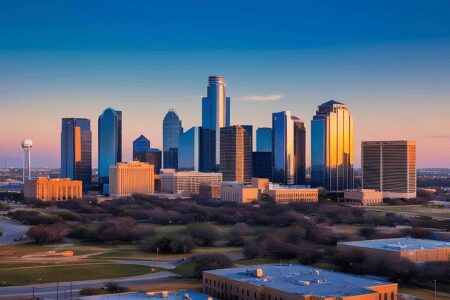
(264, 139)
(189, 150)
(171, 132)
(142, 152)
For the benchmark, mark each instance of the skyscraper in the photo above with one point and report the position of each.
(262, 165)
(264, 139)
(189, 150)
(288, 149)
(141, 144)
(390, 167)
(171, 131)
(332, 147)
(142, 152)
(235, 154)
(26, 171)
(215, 115)
(76, 150)
(109, 143)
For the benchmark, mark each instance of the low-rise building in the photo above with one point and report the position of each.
(293, 282)
(210, 190)
(416, 250)
(185, 182)
(239, 193)
(166, 295)
(131, 178)
(53, 189)
(260, 183)
(285, 194)
(363, 197)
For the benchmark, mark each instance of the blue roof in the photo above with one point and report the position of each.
(303, 280)
(331, 102)
(400, 244)
(172, 295)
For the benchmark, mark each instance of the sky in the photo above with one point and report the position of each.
(389, 61)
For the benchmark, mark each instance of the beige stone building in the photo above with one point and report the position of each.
(363, 197)
(260, 183)
(131, 178)
(239, 193)
(186, 183)
(210, 190)
(53, 189)
(291, 194)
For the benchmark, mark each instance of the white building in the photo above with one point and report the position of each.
(186, 182)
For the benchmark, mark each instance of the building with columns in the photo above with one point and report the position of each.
(53, 189)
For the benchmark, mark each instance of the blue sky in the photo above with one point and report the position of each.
(389, 61)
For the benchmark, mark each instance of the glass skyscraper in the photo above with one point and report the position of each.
(109, 143)
(171, 131)
(332, 147)
(288, 149)
(264, 139)
(142, 152)
(189, 150)
(76, 150)
(215, 115)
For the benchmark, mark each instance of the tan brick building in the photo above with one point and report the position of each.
(53, 189)
(131, 178)
(363, 197)
(292, 194)
(210, 190)
(239, 193)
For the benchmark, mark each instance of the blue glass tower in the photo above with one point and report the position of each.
(109, 143)
(141, 144)
(171, 132)
(189, 150)
(264, 139)
(76, 150)
(144, 153)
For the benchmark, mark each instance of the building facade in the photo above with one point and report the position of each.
(262, 165)
(363, 197)
(210, 191)
(390, 167)
(26, 171)
(131, 178)
(144, 153)
(76, 150)
(264, 139)
(53, 189)
(239, 193)
(292, 194)
(332, 151)
(109, 143)
(171, 132)
(235, 154)
(189, 150)
(185, 182)
(215, 115)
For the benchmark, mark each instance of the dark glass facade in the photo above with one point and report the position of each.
(189, 150)
(171, 132)
(262, 165)
(144, 153)
(299, 151)
(235, 154)
(264, 139)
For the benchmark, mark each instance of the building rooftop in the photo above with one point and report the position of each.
(400, 244)
(275, 186)
(172, 295)
(302, 280)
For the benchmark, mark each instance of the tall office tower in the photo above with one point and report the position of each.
(215, 115)
(142, 152)
(288, 149)
(76, 150)
(189, 150)
(332, 147)
(235, 154)
(390, 167)
(26, 171)
(264, 139)
(171, 131)
(262, 165)
(109, 143)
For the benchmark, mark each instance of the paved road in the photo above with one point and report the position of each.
(11, 230)
(169, 265)
(63, 290)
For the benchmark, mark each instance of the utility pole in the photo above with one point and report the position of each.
(435, 289)
(33, 292)
(71, 290)
(57, 290)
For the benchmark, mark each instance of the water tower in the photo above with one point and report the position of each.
(26, 146)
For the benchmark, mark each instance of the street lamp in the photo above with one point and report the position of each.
(157, 253)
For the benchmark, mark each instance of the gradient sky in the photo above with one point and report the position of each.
(388, 61)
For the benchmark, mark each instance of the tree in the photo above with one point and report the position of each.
(205, 234)
(252, 250)
(48, 234)
(213, 261)
(182, 244)
(123, 229)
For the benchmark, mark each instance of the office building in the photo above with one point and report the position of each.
(76, 150)
(288, 149)
(286, 194)
(415, 250)
(235, 154)
(166, 295)
(171, 132)
(363, 197)
(131, 178)
(390, 167)
(109, 143)
(260, 183)
(26, 171)
(143, 152)
(293, 282)
(53, 189)
(186, 183)
(210, 191)
(264, 139)
(332, 147)
(239, 193)
(262, 165)
(189, 150)
(215, 115)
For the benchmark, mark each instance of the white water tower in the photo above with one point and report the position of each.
(26, 146)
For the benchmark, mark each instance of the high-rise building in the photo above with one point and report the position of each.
(189, 150)
(171, 131)
(26, 171)
(76, 150)
(262, 165)
(332, 147)
(131, 178)
(235, 154)
(288, 149)
(109, 143)
(390, 167)
(264, 139)
(215, 115)
(142, 152)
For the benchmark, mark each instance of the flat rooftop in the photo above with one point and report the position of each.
(303, 280)
(400, 244)
(172, 295)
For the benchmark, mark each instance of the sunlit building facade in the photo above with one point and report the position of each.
(53, 189)
(131, 178)
(189, 150)
(171, 132)
(109, 143)
(235, 154)
(239, 193)
(332, 151)
(264, 139)
(76, 150)
(186, 183)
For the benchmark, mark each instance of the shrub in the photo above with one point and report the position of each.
(32, 217)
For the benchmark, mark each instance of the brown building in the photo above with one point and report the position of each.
(363, 197)
(210, 190)
(293, 282)
(235, 154)
(131, 178)
(53, 189)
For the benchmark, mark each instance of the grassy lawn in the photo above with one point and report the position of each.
(184, 270)
(418, 210)
(60, 273)
(423, 293)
